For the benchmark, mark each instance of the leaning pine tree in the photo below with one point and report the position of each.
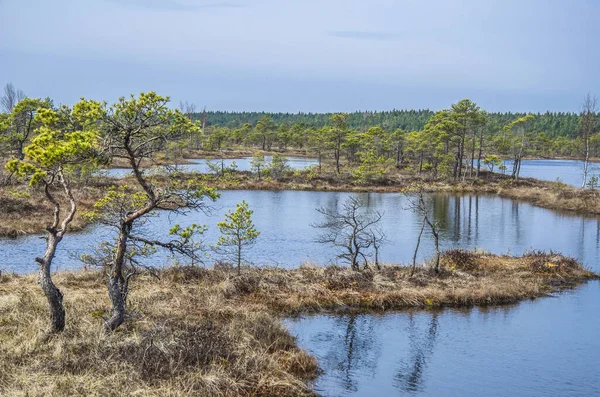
(65, 141)
(135, 130)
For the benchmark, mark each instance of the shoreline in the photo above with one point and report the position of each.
(210, 331)
(27, 214)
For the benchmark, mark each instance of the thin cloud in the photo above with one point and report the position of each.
(182, 5)
(364, 35)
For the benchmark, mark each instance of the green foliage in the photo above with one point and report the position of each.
(55, 151)
(492, 161)
(371, 168)
(592, 184)
(116, 204)
(279, 165)
(237, 231)
(188, 241)
(554, 124)
(257, 163)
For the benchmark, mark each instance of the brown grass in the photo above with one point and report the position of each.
(210, 332)
(181, 340)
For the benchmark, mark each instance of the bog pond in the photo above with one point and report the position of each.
(548, 346)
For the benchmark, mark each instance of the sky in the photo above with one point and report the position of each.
(308, 55)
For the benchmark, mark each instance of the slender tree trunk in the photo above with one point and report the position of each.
(480, 153)
(472, 157)
(586, 161)
(239, 259)
(337, 157)
(398, 154)
(455, 172)
(355, 252)
(319, 162)
(414, 266)
(436, 240)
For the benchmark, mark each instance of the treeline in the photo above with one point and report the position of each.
(552, 124)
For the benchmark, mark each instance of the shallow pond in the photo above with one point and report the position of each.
(242, 163)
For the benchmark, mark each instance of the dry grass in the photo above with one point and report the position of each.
(181, 340)
(210, 332)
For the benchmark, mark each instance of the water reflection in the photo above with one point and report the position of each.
(353, 350)
(287, 238)
(411, 370)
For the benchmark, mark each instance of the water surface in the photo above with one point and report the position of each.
(568, 171)
(200, 165)
(546, 347)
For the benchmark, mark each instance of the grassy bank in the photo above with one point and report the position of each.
(211, 332)
(551, 195)
(23, 210)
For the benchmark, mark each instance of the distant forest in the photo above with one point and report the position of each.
(553, 124)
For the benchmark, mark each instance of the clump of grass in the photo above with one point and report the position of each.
(552, 262)
(337, 278)
(461, 259)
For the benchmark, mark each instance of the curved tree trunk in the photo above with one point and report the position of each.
(53, 294)
(117, 284)
(55, 235)
(117, 297)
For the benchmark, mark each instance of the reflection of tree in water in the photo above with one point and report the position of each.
(410, 375)
(353, 352)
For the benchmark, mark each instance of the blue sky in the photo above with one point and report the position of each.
(327, 55)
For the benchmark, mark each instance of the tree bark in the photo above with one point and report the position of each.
(52, 293)
(436, 240)
(116, 293)
(117, 284)
(480, 153)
